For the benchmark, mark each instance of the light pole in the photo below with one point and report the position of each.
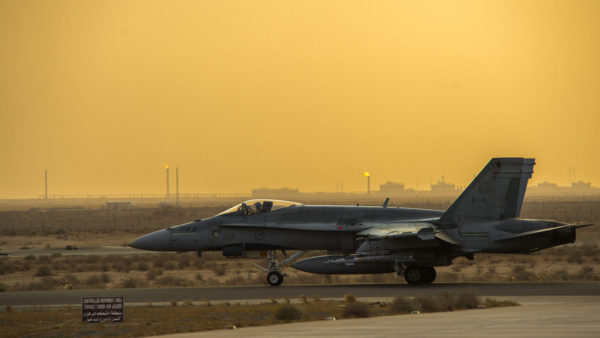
(366, 174)
(46, 183)
(177, 186)
(167, 167)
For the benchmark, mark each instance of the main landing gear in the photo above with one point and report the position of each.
(419, 274)
(274, 273)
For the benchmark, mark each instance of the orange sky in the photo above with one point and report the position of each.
(304, 94)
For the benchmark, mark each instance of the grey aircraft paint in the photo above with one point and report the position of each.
(366, 239)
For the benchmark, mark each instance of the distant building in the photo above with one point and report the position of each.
(585, 186)
(391, 188)
(283, 193)
(576, 188)
(119, 205)
(547, 186)
(443, 187)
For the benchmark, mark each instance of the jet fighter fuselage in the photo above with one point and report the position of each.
(367, 239)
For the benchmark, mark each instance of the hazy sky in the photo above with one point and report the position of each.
(304, 94)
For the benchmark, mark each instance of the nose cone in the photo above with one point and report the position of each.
(156, 241)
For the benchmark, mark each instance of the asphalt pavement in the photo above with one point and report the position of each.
(156, 295)
(558, 316)
(76, 251)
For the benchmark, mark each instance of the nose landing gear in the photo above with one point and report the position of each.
(274, 273)
(274, 278)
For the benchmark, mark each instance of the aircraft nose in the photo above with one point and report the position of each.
(156, 241)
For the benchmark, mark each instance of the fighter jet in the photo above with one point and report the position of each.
(367, 239)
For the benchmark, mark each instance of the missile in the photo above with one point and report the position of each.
(346, 264)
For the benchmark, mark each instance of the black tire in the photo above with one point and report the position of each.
(429, 274)
(413, 275)
(274, 278)
(419, 275)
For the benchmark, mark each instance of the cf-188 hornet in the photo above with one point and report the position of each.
(367, 239)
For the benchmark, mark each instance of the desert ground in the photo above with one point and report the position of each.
(86, 224)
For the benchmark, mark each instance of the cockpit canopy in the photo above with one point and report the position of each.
(257, 206)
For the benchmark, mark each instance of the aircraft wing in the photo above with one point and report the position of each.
(366, 230)
(423, 231)
(297, 226)
(373, 231)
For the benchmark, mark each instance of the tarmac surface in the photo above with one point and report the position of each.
(92, 250)
(556, 316)
(246, 293)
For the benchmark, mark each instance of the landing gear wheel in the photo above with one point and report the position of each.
(419, 275)
(274, 278)
(413, 275)
(428, 274)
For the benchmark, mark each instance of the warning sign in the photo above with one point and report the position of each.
(102, 309)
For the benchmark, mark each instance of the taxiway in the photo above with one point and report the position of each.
(146, 295)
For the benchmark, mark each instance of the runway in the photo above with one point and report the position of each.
(83, 251)
(155, 295)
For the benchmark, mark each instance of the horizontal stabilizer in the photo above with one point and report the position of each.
(539, 231)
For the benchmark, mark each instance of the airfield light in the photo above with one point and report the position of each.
(368, 176)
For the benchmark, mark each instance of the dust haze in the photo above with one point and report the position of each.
(309, 95)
